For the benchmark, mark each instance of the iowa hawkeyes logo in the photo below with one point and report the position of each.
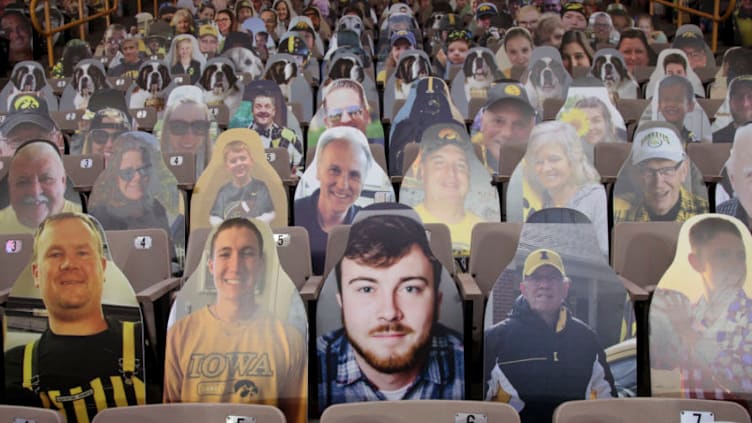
(448, 134)
(26, 102)
(246, 389)
(544, 255)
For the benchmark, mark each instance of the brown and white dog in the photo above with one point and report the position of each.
(153, 78)
(221, 84)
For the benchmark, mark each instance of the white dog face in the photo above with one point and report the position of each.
(88, 79)
(218, 78)
(478, 66)
(245, 61)
(153, 77)
(28, 78)
(351, 23)
(548, 76)
(610, 70)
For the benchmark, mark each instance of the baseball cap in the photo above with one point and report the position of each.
(543, 257)
(508, 91)
(243, 4)
(657, 140)
(443, 134)
(738, 81)
(617, 9)
(486, 9)
(402, 34)
(27, 108)
(573, 7)
(207, 29)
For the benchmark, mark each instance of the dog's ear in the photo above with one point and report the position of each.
(166, 79)
(205, 79)
(229, 71)
(143, 74)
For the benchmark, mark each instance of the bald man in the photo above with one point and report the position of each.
(738, 168)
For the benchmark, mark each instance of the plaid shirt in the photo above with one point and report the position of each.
(628, 208)
(341, 381)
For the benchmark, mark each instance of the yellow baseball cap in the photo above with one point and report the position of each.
(543, 257)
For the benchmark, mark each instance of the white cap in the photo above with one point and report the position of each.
(657, 140)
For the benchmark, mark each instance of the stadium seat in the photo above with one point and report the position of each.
(83, 170)
(192, 413)
(294, 251)
(418, 410)
(642, 251)
(143, 255)
(608, 159)
(710, 159)
(19, 414)
(14, 257)
(648, 410)
(183, 166)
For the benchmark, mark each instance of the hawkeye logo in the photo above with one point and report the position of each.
(232, 364)
(26, 102)
(656, 139)
(448, 134)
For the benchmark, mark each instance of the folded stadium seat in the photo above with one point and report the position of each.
(642, 251)
(294, 251)
(57, 84)
(631, 109)
(183, 166)
(221, 114)
(14, 257)
(83, 170)
(510, 157)
(710, 159)
(707, 75)
(144, 257)
(192, 413)
(711, 106)
(121, 83)
(493, 245)
(658, 410)
(279, 158)
(551, 107)
(417, 410)
(608, 158)
(17, 413)
(146, 118)
(196, 241)
(67, 121)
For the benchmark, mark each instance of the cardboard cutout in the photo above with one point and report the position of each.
(679, 100)
(589, 109)
(239, 332)
(89, 77)
(187, 60)
(366, 300)
(429, 103)
(677, 66)
(27, 77)
(549, 349)
(700, 312)
(478, 73)
(610, 67)
(76, 348)
(152, 86)
(187, 126)
(555, 172)
(448, 184)
(36, 166)
(343, 178)
(545, 77)
(658, 181)
(412, 66)
(264, 111)
(137, 190)
(733, 111)
(221, 84)
(103, 130)
(238, 182)
(348, 105)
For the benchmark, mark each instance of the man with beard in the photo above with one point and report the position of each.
(391, 346)
(541, 356)
(36, 186)
(272, 134)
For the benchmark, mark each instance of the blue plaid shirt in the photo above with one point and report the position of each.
(341, 381)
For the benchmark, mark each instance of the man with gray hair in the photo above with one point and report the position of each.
(739, 168)
(36, 187)
(342, 163)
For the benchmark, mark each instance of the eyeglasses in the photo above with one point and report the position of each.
(666, 172)
(222, 20)
(101, 136)
(181, 127)
(336, 115)
(129, 173)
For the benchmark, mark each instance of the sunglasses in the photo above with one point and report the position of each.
(101, 136)
(129, 173)
(181, 127)
(336, 115)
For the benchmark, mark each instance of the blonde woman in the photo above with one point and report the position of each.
(558, 174)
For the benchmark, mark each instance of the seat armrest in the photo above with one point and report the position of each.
(158, 290)
(636, 293)
(311, 288)
(469, 289)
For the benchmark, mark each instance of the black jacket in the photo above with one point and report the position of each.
(527, 361)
